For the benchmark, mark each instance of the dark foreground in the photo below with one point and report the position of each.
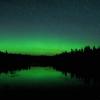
(51, 92)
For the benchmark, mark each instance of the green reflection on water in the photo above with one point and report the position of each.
(38, 76)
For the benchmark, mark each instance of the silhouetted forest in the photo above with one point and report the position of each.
(83, 63)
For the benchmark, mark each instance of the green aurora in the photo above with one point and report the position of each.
(48, 26)
(48, 45)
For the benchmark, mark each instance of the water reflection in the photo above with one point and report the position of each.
(38, 76)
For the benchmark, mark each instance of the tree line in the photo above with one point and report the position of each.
(84, 63)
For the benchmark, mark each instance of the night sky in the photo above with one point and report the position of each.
(48, 26)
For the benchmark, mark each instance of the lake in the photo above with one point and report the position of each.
(38, 76)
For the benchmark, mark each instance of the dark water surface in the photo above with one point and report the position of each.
(38, 76)
(42, 81)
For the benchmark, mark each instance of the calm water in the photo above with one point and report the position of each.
(37, 76)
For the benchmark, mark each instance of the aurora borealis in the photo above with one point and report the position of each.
(48, 26)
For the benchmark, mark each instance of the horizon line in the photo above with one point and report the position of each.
(49, 54)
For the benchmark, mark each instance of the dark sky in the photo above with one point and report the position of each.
(48, 26)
